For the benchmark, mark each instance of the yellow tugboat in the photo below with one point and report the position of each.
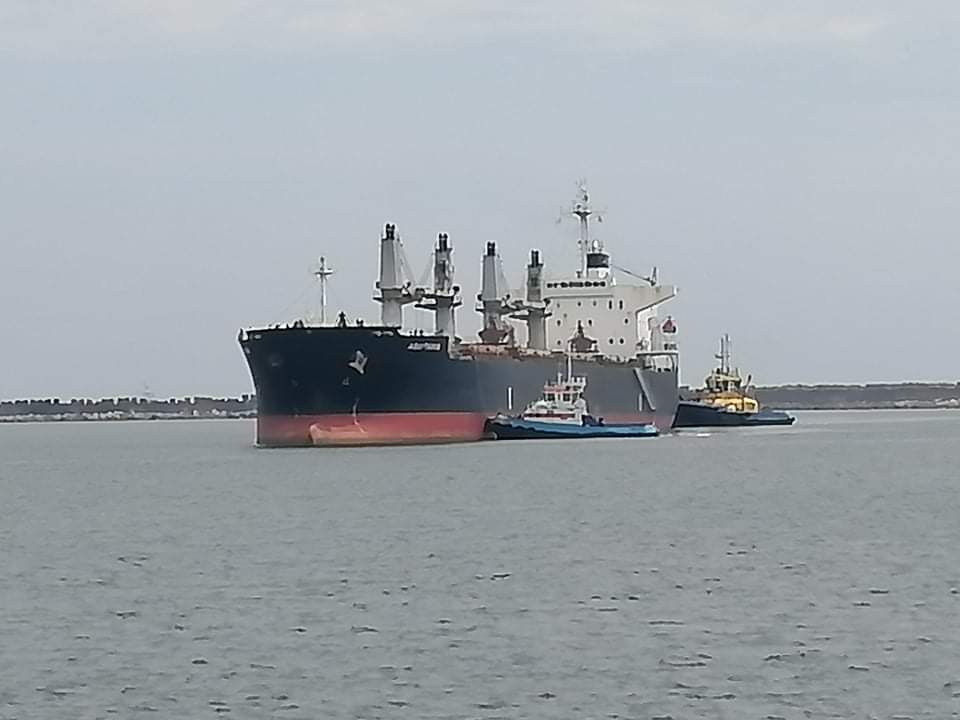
(724, 400)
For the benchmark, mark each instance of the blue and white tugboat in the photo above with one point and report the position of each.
(561, 412)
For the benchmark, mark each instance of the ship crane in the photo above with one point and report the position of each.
(494, 300)
(394, 288)
(445, 297)
(533, 309)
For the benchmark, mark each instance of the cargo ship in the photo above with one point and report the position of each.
(350, 383)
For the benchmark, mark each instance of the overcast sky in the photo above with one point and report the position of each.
(168, 172)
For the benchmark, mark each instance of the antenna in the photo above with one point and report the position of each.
(322, 271)
(583, 211)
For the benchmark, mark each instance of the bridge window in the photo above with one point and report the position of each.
(611, 304)
(621, 341)
(621, 304)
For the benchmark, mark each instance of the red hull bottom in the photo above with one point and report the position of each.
(369, 429)
(390, 428)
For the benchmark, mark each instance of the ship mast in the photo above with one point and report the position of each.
(724, 355)
(582, 210)
(322, 271)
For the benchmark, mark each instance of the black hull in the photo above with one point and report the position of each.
(369, 385)
(691, 414)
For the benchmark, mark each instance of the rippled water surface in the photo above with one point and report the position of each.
(173, 570)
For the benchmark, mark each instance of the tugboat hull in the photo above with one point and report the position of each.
(508, 428)
(691, 414)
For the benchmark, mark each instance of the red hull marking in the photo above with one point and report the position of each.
(369, 429)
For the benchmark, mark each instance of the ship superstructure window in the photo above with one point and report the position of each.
(610, 304)
(621, 304)
(626, 321)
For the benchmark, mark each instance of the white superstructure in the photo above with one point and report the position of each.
(596, 303)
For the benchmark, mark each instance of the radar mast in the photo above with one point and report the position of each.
(322, 271)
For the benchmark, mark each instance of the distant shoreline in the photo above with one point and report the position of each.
(28, 419)
(126, 409)
(891, 396)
